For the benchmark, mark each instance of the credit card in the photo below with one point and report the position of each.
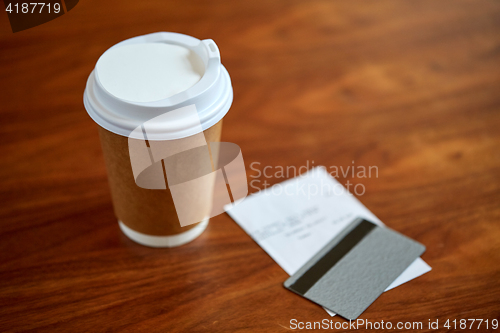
(354, 268)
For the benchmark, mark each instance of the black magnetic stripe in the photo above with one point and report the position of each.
(332, 257)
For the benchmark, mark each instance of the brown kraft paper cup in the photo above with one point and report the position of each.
(150, 212)
(148, 215)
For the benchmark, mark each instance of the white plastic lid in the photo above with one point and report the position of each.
(212, 95)
(148, 72)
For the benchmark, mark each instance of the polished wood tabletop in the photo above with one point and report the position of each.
(411, 87)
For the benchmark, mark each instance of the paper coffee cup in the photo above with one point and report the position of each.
(133, 85)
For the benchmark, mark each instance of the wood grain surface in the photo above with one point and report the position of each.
(412, 87)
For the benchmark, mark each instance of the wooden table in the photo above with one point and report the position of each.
(412, 87)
